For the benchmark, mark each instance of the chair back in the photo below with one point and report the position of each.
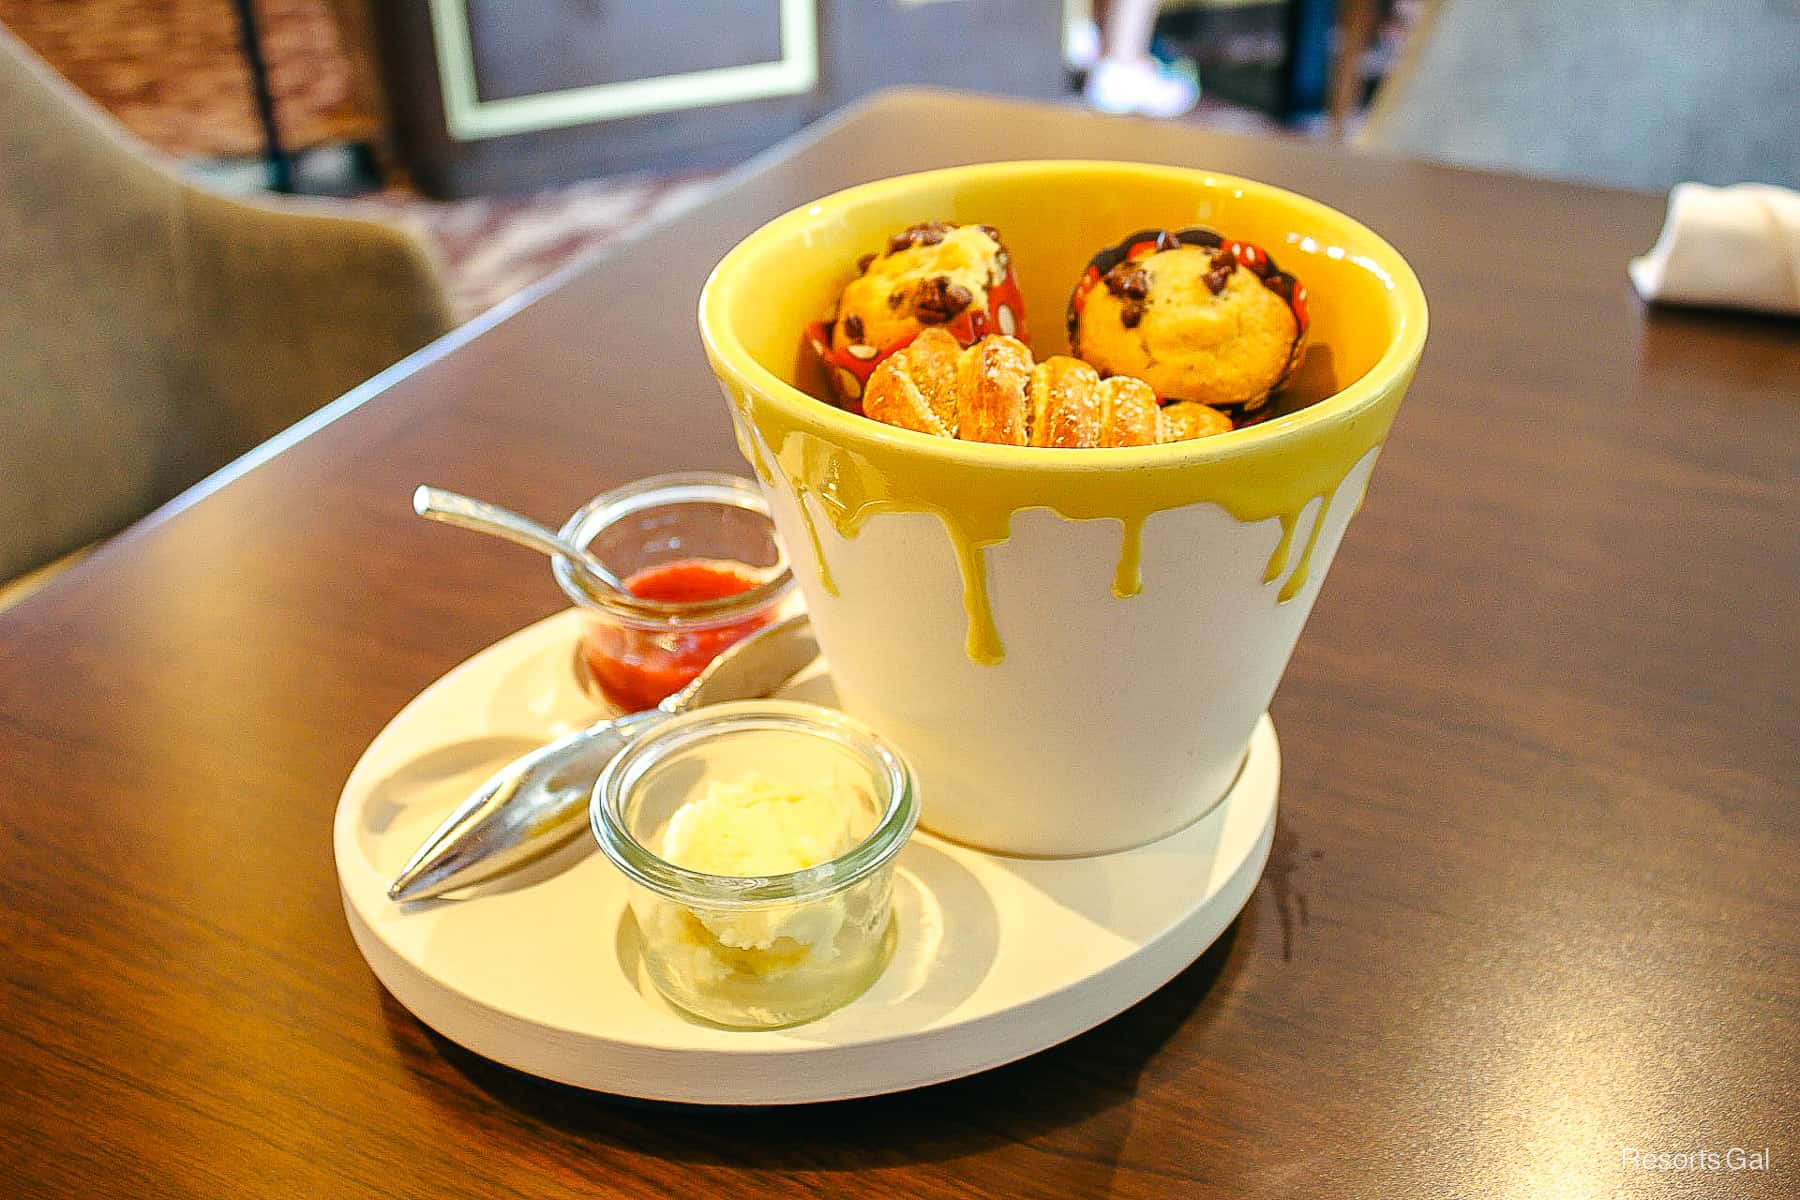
(1628, 93)
(151, 331)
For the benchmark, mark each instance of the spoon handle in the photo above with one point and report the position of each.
(466, 512)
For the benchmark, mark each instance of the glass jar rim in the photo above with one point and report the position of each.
(899, 815)
(681, 487)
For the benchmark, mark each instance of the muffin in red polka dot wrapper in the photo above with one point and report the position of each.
(957, 278)
(1195, 315)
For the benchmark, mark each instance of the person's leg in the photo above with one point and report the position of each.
(1127, 79)
(1126, 27)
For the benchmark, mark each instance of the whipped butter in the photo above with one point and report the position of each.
(757, 962)
(752, 826)
(758, 838)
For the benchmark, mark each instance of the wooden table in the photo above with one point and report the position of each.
(1532, 905)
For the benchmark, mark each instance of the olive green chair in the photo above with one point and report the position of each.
(151, 331)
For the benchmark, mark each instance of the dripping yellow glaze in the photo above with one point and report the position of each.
(975, 497)
(826, 579)
(1278, 559)
(1303, 569)
(843, 469)
(1128, 577)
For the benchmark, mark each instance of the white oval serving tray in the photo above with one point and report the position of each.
(996, 958)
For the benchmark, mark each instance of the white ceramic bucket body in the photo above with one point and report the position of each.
(1110, 722)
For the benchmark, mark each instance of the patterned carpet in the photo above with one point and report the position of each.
(493, 246)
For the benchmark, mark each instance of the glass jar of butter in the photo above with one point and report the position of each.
(758, 839)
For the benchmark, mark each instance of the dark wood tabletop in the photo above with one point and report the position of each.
(1532, 906)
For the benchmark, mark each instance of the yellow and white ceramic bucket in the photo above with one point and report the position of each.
(1072, 646)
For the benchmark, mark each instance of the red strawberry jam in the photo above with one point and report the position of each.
(636, 669)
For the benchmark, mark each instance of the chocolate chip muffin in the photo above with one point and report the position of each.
(928, 274)
(934, 275)
(1195, 316)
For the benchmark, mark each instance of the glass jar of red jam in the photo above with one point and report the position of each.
(704, 568)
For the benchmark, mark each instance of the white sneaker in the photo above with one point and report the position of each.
(1142, 86)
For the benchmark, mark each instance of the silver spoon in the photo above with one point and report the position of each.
(466, 512)
(537, 803)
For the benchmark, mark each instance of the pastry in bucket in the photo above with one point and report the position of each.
(994, 392)
(933, 275)
(1197, 316)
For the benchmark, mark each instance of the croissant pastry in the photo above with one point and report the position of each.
(994, 392)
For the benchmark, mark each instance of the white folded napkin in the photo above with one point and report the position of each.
(1730, 247)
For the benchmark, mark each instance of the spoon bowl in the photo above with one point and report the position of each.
(539, 802)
